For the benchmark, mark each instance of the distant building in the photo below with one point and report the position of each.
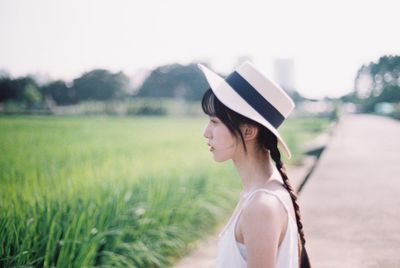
(284, 74)
(242, 59)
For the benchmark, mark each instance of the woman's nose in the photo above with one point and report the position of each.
(206, 132)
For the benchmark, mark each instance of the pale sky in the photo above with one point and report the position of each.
(328, 40)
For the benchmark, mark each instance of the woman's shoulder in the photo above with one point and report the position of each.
(262, 221)
(264, 206)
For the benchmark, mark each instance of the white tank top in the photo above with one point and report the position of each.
(232, 254)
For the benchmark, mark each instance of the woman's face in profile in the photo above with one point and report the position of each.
(222, 143)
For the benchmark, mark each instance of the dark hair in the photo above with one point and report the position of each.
(212, 106)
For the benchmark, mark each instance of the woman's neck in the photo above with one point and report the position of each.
(255, 170)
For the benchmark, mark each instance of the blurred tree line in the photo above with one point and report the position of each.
(182, 83)
(377, 83)
(170, 81)
(94, 85)
(174, 81)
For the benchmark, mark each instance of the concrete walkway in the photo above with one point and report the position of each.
(351, 203)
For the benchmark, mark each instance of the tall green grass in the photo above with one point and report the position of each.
(111, 192)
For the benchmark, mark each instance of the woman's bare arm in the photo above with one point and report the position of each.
(261, 225)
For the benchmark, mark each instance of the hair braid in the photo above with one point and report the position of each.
(276, 156)
(280, 166)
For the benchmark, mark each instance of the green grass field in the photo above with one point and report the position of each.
(110, 191)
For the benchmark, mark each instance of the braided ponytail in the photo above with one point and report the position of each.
(276, 156)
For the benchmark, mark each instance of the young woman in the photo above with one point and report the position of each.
(245, 111)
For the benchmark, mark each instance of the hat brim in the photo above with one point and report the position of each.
(228, 96)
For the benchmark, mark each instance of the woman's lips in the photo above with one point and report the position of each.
(211, 148)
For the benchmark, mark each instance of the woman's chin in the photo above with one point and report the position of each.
(219, 159)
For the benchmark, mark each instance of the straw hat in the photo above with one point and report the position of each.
(252, 94)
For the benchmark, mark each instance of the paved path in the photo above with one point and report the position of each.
(351, 203)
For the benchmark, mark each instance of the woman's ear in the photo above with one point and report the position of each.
(249, 132)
